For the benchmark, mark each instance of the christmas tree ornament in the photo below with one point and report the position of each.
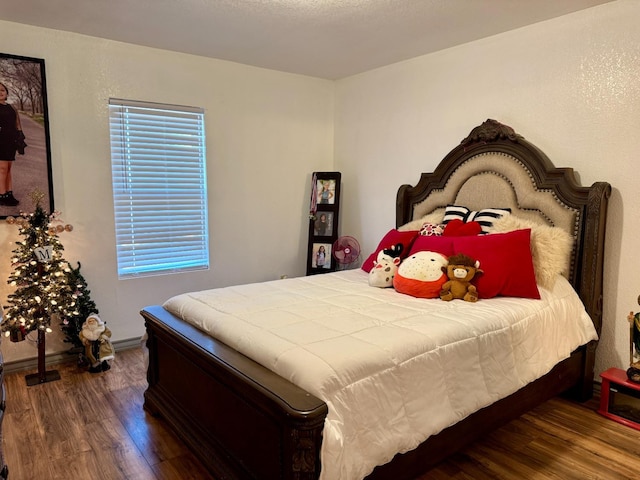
(43, 254)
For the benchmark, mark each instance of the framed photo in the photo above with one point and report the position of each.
(323, 224)
(326, 191)
(25, 151)
(321, 256)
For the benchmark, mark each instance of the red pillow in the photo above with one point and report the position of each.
(458, 228)
(433, 243)
(393, 237)
(505, 259)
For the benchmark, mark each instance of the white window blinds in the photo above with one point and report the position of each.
(159, 187)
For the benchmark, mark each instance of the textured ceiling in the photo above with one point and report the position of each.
(322, 38)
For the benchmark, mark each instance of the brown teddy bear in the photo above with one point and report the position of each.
(460, 270)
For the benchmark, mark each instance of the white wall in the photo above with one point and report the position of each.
(266, 132)
(569, 85)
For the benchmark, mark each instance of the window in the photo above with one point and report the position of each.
(159, 188)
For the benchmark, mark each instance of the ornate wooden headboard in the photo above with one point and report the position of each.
(496, 167)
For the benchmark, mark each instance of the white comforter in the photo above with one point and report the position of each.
(392, 369)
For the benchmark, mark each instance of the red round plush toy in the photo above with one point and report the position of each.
(421, 275)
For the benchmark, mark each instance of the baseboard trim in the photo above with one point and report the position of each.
(63, 357)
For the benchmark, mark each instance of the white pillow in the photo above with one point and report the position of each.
(550, 247)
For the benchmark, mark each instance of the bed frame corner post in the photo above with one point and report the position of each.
(152, 369)
(402, 215)
(303, 451)
(583, 388)
(592, 282)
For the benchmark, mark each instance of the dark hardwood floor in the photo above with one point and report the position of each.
(558, 440)
(93, 426)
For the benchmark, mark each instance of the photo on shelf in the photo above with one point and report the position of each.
(326, 189)
(323, 224)
(321, 256)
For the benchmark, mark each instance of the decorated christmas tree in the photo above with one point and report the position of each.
(40, 276)
(72, 324)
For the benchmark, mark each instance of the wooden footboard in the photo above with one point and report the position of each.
(244, 421)
(239, 419)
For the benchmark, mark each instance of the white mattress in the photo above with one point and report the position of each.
(392, 369)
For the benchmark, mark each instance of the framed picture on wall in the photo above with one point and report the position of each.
(323, 221)
(25, 151)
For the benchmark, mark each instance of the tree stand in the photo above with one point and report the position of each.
(43, 375)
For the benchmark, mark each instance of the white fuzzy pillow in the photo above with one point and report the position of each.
(550, 247)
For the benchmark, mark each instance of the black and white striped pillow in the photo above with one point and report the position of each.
(484, 217)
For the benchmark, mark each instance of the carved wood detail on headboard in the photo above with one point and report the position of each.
(490, 131)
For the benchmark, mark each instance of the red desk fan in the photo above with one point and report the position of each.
(346, 251)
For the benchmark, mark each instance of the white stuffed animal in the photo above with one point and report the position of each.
(384, 269)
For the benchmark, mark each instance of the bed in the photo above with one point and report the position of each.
(243, 420)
